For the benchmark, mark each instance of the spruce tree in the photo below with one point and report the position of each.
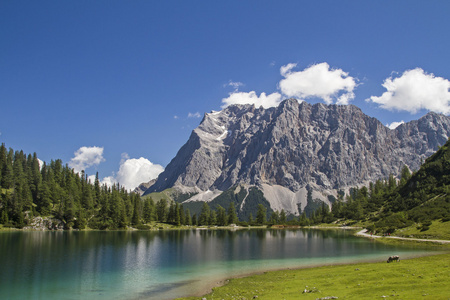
(261, 215)
(177, 215)
(161, 210)
(136, 219)
(222, 218)
(187, 217)
(204, 215)
(283, 219)
(232, 216)
(182, 215)
(149, 210)
(250, 219)
(213, 218)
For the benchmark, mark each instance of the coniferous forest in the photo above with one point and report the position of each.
(56, 191)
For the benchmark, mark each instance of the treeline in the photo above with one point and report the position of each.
(55, 190)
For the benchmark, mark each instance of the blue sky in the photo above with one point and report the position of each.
(134, 78)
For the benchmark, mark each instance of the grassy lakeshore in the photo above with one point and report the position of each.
(424, 277)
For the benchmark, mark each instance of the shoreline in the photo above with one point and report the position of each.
(363, 233)
(223, 282)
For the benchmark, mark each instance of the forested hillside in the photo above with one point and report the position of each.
(55, 190)
(418, 198)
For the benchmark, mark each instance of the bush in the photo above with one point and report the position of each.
(424, 228)
(446, 218)
(143, 227)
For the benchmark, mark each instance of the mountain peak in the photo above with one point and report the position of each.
(297, 146)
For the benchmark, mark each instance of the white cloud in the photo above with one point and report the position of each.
(317, 81)
(415, 90)
(263, 100)
(194, 115)
(284, 70)
(86, 157)
(175, 117)
(132, 172)
(234, 85)
(109, 181)
(91, 178)
(41, 163)
(394, 125)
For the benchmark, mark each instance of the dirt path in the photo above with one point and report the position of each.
(365, 234)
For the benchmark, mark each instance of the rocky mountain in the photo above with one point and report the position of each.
(288, 150)
(140, 189)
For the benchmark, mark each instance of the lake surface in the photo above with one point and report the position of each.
(165, 264)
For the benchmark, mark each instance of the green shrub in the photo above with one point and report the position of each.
(143, 227)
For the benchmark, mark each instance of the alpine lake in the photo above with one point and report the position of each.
(166, 264)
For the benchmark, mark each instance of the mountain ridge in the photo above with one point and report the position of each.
(297, 146)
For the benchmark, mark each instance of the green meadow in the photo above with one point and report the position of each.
(419, 278)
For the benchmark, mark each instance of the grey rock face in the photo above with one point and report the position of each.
(296, 145)
(41, 224)
(140, 189)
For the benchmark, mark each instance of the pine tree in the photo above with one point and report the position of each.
(136, 219)
(182, 215)
(161, 210)
(274, 218)
(283, 219)
(177, 215)
(232, 216)
(149, 210)
(4, 219)
(250, 219)
(261, 215)
(213, 218)
(97, 190)
(203, 219)
(405, 175)
(44, 200)
(171, 216)
(222, 218)
(187, 217)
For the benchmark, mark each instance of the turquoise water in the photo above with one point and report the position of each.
(165, 264)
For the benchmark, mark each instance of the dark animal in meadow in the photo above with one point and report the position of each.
(393, 258)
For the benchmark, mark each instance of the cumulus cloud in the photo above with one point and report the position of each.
(194, 115)
(394, 125)
(86, 157)
(414, 90)
(263, 100)
(317, 81)
(133, 171)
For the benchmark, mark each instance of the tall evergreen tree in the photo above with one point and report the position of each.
(222, 218)
(149, 210)
(232, 216)
(261, 217)
(161, 210)
(283, 219)
(203, 219)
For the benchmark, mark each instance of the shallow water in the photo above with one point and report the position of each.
(165, 264)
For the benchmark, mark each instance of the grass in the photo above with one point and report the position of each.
(438, 230)
(424, 278)
(166, 194)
